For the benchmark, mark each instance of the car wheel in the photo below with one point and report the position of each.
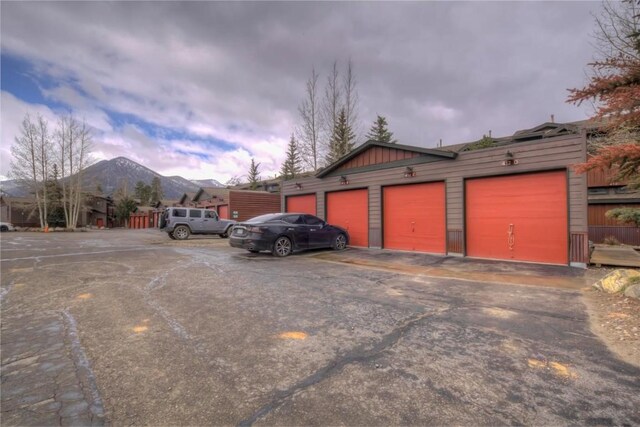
(4, 228)
(226, 233)
(171, 236)
(340, 242)
(282, 247)
(181, 232)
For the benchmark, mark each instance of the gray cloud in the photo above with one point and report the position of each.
(236, 70)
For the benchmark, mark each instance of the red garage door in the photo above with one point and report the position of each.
(223, 211)
(415, 217)
(302, 204)
(349, 210)
(518, 217)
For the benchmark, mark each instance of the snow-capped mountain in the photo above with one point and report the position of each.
(207, 183)
(109, 175)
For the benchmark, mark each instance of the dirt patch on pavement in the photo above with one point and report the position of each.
(520, 276)
(616, 320)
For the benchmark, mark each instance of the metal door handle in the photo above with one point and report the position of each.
(511, 239)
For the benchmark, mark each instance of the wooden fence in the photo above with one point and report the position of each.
(629, 235)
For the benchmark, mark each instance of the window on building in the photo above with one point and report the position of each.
(594, 191)
(622, 190)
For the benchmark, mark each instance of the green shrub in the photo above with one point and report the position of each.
(625, 215)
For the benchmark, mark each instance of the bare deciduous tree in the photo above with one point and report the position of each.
(332, 104)
(233, 181)
(309, 131)
(351, 99)
(320, 117)
(31, 157)
(618, 27)
(73, 155)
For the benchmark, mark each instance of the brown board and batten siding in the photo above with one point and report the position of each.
(377, 155)
(249, 204)
(602, 228)
(557, 153)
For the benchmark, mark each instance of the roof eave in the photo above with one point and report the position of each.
(371, 143)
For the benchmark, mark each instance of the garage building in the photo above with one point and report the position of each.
(516, 200)
(239, 205)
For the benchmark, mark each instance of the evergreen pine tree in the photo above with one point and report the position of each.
(379, 131)
(143, 192)
(124, 208)
(254, 174)
(291, 166)
(342, 139)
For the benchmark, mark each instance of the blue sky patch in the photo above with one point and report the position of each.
(19, 78)
(154, 131)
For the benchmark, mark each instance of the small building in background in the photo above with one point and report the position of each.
(98, 211)
(268, 185)
(238, 205)
(19, 211)
(606, 193)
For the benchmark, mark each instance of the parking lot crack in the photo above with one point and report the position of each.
(359, 355)
(82, 365)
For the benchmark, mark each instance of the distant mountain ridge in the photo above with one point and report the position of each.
(207, 183)
(109, 175)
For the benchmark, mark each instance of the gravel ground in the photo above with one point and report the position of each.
(616, 320)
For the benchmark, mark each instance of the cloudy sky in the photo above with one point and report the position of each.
(198, 89)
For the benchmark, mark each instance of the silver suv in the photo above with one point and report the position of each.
(180, 223)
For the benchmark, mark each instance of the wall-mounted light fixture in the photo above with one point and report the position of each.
(409, 172)
(343, 180)
(298, 186)
(509, 160)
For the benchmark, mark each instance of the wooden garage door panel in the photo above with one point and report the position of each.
(415, 217)
(223, 211)
(519, 217)
(302, 204)
(350, 210)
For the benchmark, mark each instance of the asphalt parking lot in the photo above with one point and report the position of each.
(130, 327)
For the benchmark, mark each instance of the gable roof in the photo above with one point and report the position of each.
(188, 196)
(414, 151)
(211, 192)
(545, 130)
(542, 131)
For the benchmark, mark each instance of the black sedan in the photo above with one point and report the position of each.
(283, 233)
